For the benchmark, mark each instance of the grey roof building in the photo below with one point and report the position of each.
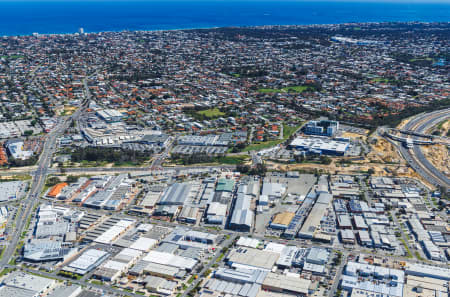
(242, 218)
(317, 256)
(155, 139)
(176, 194)
(57, 229)
(46, 250)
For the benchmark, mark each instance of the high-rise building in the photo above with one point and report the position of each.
(323, 127)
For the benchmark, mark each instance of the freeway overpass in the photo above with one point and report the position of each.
(415, 157)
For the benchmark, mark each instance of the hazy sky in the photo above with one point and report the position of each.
(255, 1)
(393, 1)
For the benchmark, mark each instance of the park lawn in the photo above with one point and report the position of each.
(232, 160)
(408, 252)
(381, 80)
(12, 57)
(297, 89)
(211, 113)
(5, 271)
(130, 163)
(22, 177)
(268, 90)
(262, 145)
(289, 130)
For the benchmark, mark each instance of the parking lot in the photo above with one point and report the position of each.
(193, 149)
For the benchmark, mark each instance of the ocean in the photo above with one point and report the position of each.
(24, 17)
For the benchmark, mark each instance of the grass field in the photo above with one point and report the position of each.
(13, 57)
(408, 252)
(381, 80)
(293, 89)
(421, 59)
(211, 113)
(257, 146)
(232, 160)
(287, 132)
(22, 177)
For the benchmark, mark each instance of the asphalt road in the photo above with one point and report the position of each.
(338, 274)
(226, 243)
(37, 184)
(415, 156)
(102, 288)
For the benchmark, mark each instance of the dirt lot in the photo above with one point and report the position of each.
(438, 155)
(403, 123)
(384, 151)
(354, 168)
(354, 136)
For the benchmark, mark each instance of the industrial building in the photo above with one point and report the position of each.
(249, 258)
(15, 149)
(160, 285)
(216, 213)
(344, 221)
(416, 286)
(347, 236)
(218, 286)
(316, 255)
(273, 190)
(287, 255)
(320, 146)
(242, 217)
(423, 270)
(55, 191)
(312, 223)
(359, 223)
(241, 276)
(185, 238)
(299, 218)
(113, 194)
(27, 285)
(248, 242)
(114, 229)
(3, 220)
(176, 194)
(286, 284)
(112, 269)
(358, 276)
(110, 115)
(46, 250)
(282, 220)
(207, 140)
(189, 214)
(88, 261)
(171, 260)
(11, 190)
(144, 244)
(155, 139)
(66, 291)
(225, 185)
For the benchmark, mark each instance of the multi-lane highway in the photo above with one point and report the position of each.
(38, 183)
(415, 157)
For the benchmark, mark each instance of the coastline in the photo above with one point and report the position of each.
(231, 26)
(23, 18)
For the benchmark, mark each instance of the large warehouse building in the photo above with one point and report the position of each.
(315, 216)
(320, 145)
